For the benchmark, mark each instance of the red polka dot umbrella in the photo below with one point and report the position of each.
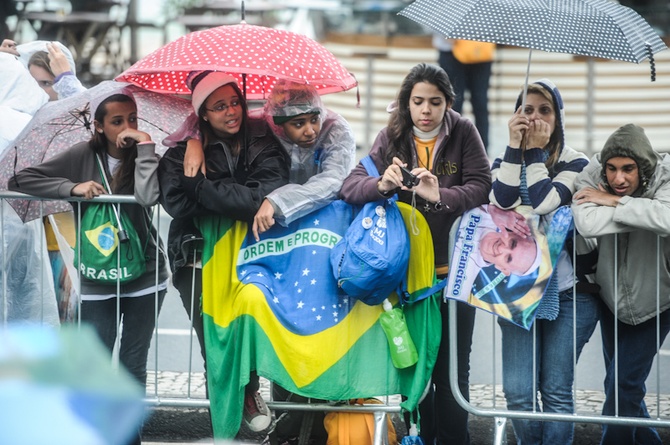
(256, 55)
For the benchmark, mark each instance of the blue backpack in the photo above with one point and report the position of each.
(371, 259)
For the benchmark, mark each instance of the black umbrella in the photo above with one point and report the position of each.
(593, 28)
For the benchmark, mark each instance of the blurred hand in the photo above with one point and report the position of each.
(518, 125)
(601, 196)
(392, 177)
(539, 134)
(9, 46)
(509, 220)
(428, 187)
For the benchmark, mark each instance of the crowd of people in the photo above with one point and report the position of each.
(278, 163)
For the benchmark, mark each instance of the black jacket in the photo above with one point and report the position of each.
(233, 188)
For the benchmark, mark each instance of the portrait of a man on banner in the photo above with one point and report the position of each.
(503, 259)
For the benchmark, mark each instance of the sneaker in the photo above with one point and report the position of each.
(256, 413)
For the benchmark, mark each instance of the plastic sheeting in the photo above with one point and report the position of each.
(26, 281)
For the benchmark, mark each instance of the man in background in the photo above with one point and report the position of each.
(468, 64)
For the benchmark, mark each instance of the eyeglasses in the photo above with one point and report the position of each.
(223, 107)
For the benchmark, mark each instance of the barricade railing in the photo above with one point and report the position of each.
(154, 397)
(502, 414)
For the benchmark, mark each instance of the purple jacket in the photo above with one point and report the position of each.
(461, 167)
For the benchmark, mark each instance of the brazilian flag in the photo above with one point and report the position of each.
(104, 238)
(274, 306)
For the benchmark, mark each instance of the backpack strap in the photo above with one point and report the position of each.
(370, 166)
(371, 169)
(117, 213)
(122, 233)
(404, 296)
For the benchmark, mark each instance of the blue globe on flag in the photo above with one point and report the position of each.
(106, 238)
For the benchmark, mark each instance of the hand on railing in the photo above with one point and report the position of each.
(88, 189)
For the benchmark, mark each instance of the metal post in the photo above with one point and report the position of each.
(381, 431)
(3, 272)
(131, 19)
(500, 437)
(368, 101)
(367, 130)
(590, 92)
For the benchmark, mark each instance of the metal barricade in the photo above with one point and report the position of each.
(501, 414)
(155, 395)
(188, 399)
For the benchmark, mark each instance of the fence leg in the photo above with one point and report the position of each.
(500, 431)
(381, 430)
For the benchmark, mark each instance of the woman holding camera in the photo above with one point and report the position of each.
(445, 154)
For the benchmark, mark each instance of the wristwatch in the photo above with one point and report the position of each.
(434, 206)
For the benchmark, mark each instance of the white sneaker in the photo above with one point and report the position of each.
(256, 412)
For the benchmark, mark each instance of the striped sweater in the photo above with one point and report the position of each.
(548, 189)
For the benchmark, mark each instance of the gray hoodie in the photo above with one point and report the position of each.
(634, 223)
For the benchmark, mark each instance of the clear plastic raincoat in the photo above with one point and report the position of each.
(26, 282)
(317, 172)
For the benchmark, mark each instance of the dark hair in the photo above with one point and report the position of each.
(400, 124)
(41, 59)
(123, 181)
(206, 131)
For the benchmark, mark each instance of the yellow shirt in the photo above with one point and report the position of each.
(65, 223)
(424, 151)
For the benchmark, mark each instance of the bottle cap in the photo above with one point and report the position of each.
(412, 430)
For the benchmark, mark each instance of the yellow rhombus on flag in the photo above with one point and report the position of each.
(104, 238)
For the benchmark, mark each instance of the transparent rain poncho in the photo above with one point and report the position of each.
(66, 86)
(317, 172)
(26, 283)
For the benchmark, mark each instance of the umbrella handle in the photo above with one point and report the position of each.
(123, 236)
(524, 95)
(652, 62)
(525, 85)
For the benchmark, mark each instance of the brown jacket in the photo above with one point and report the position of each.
(462, 169)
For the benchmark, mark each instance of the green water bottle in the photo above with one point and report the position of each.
(403, 351)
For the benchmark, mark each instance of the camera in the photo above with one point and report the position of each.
(408, 179)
